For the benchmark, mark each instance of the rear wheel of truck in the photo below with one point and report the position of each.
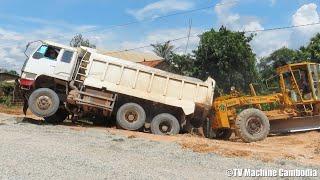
(165, 124)
(44, 102)
(131, 116)
(58, 117)
(252, 125)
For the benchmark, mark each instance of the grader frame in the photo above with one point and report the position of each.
(296, 105)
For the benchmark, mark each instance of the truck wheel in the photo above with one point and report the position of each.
(131, 116)
(252, 125)
(165, 124)
(43, 102)
(223, 134)
(58, 117)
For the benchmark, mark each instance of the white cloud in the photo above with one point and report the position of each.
(252, 26)
(161, 36)
(12, 44)
(225, 15)
(306, 14)
(235, 21)
(273, 2)
(265, 43)
(161, 7)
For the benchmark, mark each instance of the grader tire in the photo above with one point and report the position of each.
(223, 134)
(252, 125)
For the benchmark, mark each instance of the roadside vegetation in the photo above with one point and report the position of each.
(228, 57)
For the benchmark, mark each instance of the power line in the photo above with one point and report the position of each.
(145, 20)
(161, 17)
(281, 28)
(197, 35)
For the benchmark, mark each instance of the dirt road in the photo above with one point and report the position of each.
(32, 150)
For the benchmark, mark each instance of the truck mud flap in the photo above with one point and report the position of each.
(295, 124)
(25, 107)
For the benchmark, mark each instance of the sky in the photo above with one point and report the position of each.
(125, 24)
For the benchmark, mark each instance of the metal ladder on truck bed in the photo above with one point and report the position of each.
(82, 70)
(90, 97)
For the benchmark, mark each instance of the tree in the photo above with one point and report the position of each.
(163, 50)
(182, 64)
(311, 51)
(227, 57)
(179, 64)
(268, 65)
(79, 40)
(13, 72)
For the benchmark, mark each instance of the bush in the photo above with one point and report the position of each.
(6, 93)
(6, 100)
(7, 88)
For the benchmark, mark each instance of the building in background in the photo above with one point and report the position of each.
(8, 77)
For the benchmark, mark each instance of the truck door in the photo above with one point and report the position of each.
(43, 61)
(65, 64)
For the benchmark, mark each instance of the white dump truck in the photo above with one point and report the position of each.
(60, 81)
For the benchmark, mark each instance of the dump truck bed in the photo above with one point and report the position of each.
(125, 77)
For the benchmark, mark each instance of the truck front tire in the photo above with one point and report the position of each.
(131, 116)
(252, 125)
(165, 124)
(43, 102)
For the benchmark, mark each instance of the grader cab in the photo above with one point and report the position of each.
(293, 105)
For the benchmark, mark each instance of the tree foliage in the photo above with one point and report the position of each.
(163, 50)
(280, 57)
(79, 40)
(227, 57)
(311, 52)
(224, 55)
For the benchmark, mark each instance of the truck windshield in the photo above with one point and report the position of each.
(48, 52)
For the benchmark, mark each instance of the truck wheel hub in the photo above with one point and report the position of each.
(254, 125)
(131, 116)
(164, 127)
(44, 102)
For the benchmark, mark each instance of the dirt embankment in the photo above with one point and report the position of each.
(13, 110)
(300, 147)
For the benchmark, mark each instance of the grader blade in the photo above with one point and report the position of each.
(295, 124)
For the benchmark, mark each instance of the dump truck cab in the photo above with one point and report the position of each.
(51, 60)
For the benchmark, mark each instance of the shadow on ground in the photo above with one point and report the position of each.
(82, 123)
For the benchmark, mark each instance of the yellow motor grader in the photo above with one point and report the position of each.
(293, 106)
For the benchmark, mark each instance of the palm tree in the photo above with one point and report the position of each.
(163, 50)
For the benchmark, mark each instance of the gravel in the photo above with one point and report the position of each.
(31, 151)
